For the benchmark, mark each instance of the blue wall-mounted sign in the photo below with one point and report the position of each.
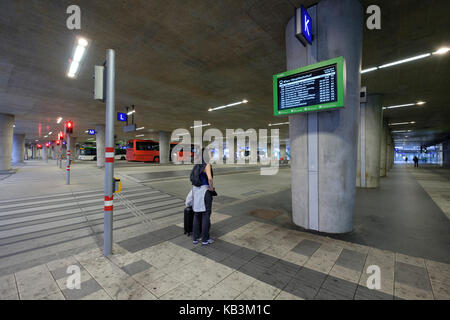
(303, 26)
(91, 132)
(121, 116)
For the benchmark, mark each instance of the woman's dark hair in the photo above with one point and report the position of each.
(205, 155)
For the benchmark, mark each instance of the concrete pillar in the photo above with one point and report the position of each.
(100, 144)
(73, 149)
(18, 148)
(371, 118)
(6, 141)
(323, 189)
(164, 147)
(383, 155)
(391, 152)
(44, 153)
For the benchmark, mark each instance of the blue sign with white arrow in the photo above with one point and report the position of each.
(303, 26)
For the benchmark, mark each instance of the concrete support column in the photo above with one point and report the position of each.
(73, 151)
(44, 153)
(383, 153)
(100, 144)
(6, 141)
(369, 139)
(18, 148)
(164, 147)
(323, 186)
(391, 151)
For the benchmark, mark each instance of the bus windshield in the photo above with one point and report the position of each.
(88, 152)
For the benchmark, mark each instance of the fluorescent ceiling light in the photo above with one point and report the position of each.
(369, 69)
(400, 131)
(50, 132)
(78, 54)
(73, 68)
(442, 50)
(131, 112)
(278, 124)
(14, 126)
(203, 125)
(401, 123)
(59, 120)
(140, 135)
(45, 136)
(228, 105)
(405, 105)
(141, 128)
(87, 131)
(82, 42)
(405, 60)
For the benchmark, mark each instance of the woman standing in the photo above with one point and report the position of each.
(202, 192)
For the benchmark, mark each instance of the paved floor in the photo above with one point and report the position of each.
(256, 256)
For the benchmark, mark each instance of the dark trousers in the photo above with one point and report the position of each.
(416, 164)
(205, 219)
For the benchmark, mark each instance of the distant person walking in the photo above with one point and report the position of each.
(202, 194)
(406, 160)
(416, 162)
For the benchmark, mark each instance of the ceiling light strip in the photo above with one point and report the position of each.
(228, 105)
(440, 51)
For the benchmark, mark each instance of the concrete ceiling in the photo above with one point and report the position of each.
(410, 28)
(175, 61)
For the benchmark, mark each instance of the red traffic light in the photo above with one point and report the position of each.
(47, 144)
(60, 136)
(69, 127)
(58, 142)
(39, 146)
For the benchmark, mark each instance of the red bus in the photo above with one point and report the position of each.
(143, 150)
(148, 151)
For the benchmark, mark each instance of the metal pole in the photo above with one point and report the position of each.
(68, 160)
(109, 152)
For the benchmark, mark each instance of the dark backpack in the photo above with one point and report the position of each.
(195, 174)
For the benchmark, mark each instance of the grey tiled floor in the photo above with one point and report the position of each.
(241, 264)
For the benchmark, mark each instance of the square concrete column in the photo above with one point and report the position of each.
(6, 141)
(164, 147)
(18, 149)
(369, 142)
(383, 153)
(44, 153)
(73, 149)
(323, 145)
(100, 144)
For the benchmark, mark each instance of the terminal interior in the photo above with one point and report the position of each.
(199, 66)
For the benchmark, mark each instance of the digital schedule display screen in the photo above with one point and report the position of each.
(308, 88)
(311, 88)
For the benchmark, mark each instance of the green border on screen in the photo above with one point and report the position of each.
(339, 61)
